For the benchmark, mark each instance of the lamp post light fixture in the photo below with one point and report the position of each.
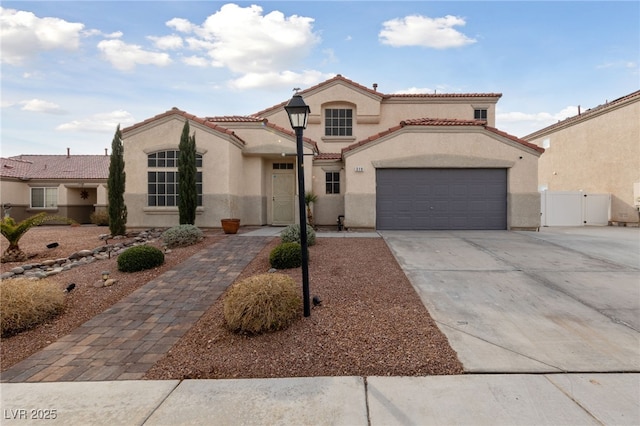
(298, 113)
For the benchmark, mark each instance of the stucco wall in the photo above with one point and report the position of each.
(599, 155)
(222, 173)
(418, 148)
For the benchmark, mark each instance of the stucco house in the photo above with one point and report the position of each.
(596, 151)
(73, 186)
(383, 161)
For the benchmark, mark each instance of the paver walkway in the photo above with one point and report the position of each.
(125, 341)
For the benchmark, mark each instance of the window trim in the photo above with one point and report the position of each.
(45, 190)
(330, 183)
(165, 170)
(349, 129)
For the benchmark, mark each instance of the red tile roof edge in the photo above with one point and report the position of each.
(339, 77)
(441, 122)
(175, 111)
(583, 115)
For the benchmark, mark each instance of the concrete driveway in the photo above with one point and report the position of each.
(558, 300)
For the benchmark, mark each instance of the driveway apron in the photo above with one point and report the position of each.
(514, 302)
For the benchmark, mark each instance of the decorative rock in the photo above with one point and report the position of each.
(54, 271)
(272, 270)
(98, 284)
(83, 257)
(109, 282)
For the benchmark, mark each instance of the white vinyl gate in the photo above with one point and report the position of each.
(574, 208)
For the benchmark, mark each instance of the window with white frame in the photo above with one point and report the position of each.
(44, 198)
(338, 122)
(162, 179)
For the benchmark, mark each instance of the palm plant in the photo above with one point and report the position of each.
(310, 198)
(13, 231)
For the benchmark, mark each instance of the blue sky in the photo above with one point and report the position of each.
(71, 71)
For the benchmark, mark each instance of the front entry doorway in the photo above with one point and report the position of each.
(283, 188)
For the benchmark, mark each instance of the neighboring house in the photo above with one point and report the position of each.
(73, 186)
(384, 161)
(596, 151)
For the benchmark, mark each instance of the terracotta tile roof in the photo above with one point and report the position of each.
(329, 156)
(175, 111)
(76, 167)
(235, 119)
(340, 78)
(585, 115)
(264, 122)
(440, 122)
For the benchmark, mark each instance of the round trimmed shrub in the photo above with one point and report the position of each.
(182, 235)
(138, 258)
(24, 304)
(286, 256)
(291, 234)
(262, 303)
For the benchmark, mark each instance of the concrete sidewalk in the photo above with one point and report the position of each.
(552, 399)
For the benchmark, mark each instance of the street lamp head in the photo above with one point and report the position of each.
(298, 112)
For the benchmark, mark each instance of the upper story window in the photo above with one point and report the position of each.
(44, 198)
(480, 114)
(338, 122)
(162, 179)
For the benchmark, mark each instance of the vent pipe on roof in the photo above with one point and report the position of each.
(578, 109)
(68, 152)
(375, 87)
(105, 152)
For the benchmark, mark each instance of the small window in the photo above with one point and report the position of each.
(44, 198)
(338, 122)
(282, 166)
(480, 114)
(546, 143)
(333, 182)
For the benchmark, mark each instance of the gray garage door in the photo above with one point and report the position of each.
(441, 199)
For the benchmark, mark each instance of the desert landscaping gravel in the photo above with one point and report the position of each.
(371, 320)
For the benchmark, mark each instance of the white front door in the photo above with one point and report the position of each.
(283, 187)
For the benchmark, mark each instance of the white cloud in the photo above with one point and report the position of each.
(24, 35)
(170, 42)
(414, 91)
(196, 61)
(181, 25)
(38, 105)
(125, 56)
(522, 124)
(416, 30)
(92, 33)
(276, 80)
(101, 123)
(262, 48)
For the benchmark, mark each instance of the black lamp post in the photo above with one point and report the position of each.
(298, 113)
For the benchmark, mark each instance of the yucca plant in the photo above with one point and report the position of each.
(13, 231)
(310, 198)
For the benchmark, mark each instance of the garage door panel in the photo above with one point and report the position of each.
(441, 199)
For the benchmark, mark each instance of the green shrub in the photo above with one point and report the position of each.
(138, 258)
(291, 234)
(100, 218)
(24, 304)
(286, 256)
(262, 303)
(182, 235)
